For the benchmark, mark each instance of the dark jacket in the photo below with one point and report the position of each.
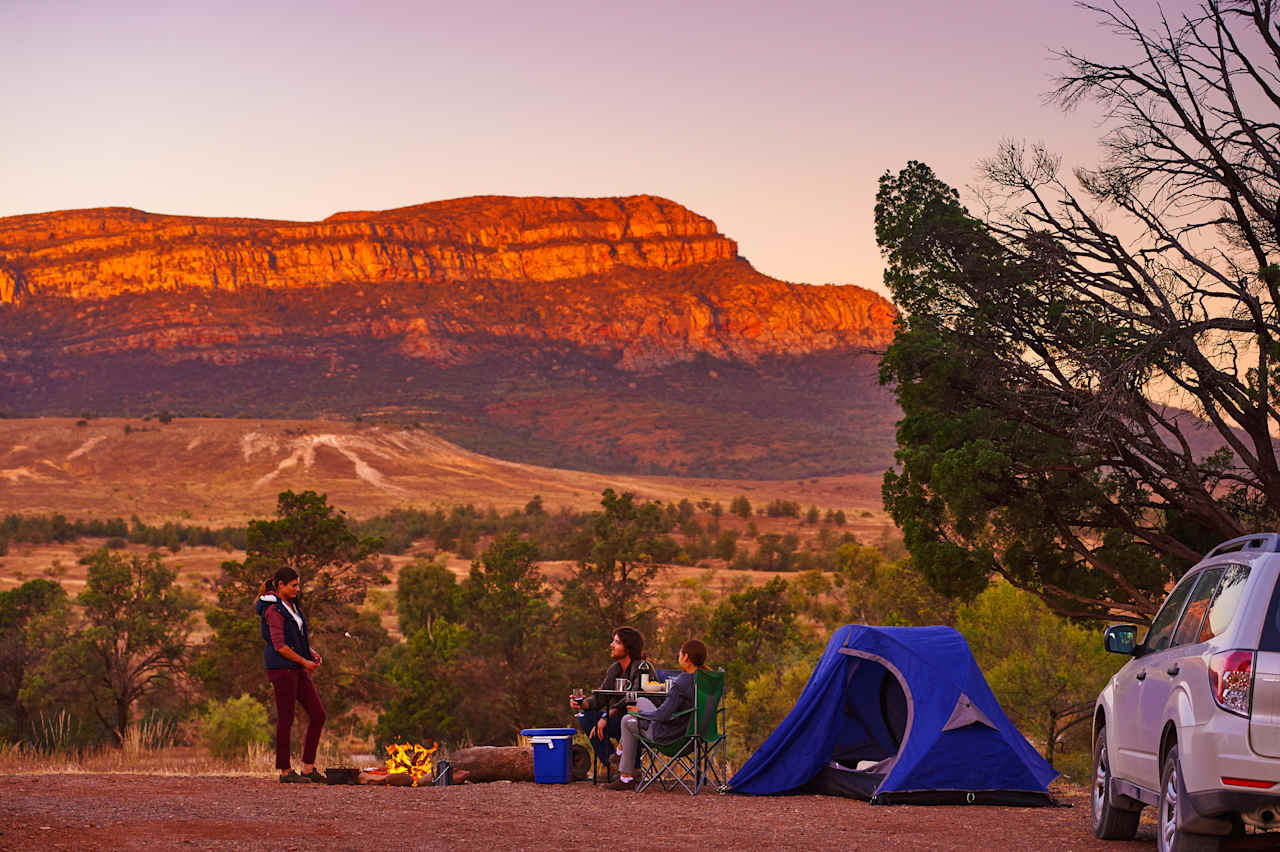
(294, 637)
(618, 706)
(664, 727)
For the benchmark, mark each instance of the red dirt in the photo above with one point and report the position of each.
(149, 811)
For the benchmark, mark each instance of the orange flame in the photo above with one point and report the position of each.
(412, 759)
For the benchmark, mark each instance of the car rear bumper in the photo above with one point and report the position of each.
(1220, 749)
(1211, 752)
(1219, 803)
(1216, 811)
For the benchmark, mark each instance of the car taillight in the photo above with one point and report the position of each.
(1231, 680)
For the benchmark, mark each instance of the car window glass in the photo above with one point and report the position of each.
(1226, 600)
(1162, 628)
(1197, 605)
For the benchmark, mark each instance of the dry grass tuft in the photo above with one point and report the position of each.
(140, 753)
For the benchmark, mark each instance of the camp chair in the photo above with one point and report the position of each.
(699, 754)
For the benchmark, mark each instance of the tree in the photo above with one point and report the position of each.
(426, 592)
(873, 590)
(130, 642)
(336, 567)
(19, 608)
(626, 542)
(514, 652)
(1086, 410)
(754, 629)
(482, 659)
(425, 701)
(1045, 670)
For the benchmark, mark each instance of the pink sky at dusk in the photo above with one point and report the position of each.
(775, 120)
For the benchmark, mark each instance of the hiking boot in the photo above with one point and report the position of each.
(292, 777)
(621, 785)
(315, 777)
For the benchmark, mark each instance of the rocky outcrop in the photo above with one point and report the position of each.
(640, 281)
(103, 252)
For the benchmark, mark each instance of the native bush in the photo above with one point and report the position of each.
(232, 726)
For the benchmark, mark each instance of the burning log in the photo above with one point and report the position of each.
(510, 763)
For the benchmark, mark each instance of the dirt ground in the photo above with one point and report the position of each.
(150, 811)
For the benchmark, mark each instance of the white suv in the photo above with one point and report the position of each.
(1191, 724)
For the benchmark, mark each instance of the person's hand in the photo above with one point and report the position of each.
(310, 665)
(600, 728)
(317, 658)
(575, 703)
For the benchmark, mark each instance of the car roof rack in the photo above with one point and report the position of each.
(1263, 542)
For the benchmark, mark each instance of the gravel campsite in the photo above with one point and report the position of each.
(121, 811)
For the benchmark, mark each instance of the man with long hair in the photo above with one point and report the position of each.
(602, 721)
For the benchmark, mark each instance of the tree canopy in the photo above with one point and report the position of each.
(129, 641)
(1087, 369)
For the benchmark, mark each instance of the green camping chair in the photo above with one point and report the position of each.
(699, 755)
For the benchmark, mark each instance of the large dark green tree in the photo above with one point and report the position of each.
(483, 658)
(129, 643)
(1087, 371)
(513, 669)
(21, 609)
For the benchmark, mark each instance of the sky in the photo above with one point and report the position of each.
(773, 119)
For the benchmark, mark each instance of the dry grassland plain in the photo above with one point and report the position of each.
(219, 472)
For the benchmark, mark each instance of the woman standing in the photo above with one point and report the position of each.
(290, 662)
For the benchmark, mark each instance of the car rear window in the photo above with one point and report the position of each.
(1270, 640)
(1226, 600)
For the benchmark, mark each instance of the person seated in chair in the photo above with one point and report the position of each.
(660, 724)
(601, 720)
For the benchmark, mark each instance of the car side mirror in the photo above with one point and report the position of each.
(1121, 639)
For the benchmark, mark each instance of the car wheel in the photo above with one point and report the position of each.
(1109, 822)
(1169, 837)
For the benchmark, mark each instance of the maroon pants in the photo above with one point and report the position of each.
(293, 685)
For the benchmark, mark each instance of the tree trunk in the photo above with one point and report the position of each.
(510, 763)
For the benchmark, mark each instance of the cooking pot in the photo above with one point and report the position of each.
(341, 775)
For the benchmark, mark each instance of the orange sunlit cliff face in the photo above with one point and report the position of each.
(488, 311)
(641, 275)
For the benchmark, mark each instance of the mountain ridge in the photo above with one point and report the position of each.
(485, 316)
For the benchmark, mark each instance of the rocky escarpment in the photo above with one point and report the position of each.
(617, 333)
(641, 276)
(102, 252)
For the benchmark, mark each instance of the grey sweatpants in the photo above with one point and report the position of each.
(630, 744)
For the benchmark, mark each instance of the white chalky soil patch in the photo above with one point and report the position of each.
(86, 447)
(304, 453)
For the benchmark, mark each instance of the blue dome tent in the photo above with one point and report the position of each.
(898, 715)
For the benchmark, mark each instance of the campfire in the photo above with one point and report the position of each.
(414, 760)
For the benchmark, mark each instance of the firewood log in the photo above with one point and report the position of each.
(509, 763)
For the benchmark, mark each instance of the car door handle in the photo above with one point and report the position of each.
(1141, 675)
(1172, 670)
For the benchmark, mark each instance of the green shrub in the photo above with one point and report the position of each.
(232, 726)
(1075, 766)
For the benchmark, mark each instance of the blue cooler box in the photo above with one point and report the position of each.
(552, 755)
